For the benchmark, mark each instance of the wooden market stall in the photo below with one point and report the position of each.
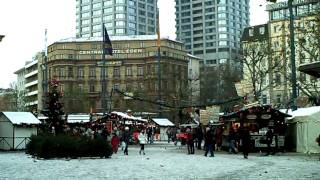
(258, 119)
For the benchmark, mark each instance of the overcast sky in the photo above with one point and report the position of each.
(23, 22)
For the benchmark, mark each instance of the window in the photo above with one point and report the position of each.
(116, 72)
(61, 72)
(108, 10)
(120, 23)
(61, 87)
(116, 86)
(250, 32)
(264, 99)
(80, 87)
(92, 72)
(120, 16)
(262, 30)
(140, 71)
(80, 72)
(91, 87)
(128, 71)
(120, 31)
(70, 72)
(222, 43)
(120, 8)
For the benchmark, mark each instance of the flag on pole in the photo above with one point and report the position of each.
(158, 31)
(107, 42)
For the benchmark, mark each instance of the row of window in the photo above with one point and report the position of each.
(80, 72)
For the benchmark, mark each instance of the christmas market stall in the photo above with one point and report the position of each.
(16, 129)
(163, 124)
(258, 118)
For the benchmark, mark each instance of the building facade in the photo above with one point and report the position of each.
(256, 63)
(194, 80)
(211, 30)
(121, 17)
(132, 70)
(305, 15)
(29, 85)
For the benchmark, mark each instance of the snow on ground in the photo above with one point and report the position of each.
(162, 162)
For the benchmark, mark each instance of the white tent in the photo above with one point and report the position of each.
(305, 129)
(163, 124)
(16, 129)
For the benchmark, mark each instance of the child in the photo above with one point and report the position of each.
(115, 143)
(142, 140)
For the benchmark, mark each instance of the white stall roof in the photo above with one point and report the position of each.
(302, 111)
(163, 122)
(78, 118)
(21, 118)
(126, 116)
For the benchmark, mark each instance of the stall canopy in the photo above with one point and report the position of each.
(163, 122)
(127, 117)
(21, 118)
(78, 118)
(306, 129)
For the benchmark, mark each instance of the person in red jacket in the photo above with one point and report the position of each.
(115, 142)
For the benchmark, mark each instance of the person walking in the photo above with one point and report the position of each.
(142, 141)
(199, 137)
(269, 138)
(245, 141)
(209, 141)
(232, 142)
(126, 138)
(190, 141)
(115, 141)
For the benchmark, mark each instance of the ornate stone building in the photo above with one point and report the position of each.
(133, 70)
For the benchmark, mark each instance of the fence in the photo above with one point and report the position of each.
(13, 143)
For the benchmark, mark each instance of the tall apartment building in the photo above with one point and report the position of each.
(211, 30)
(305, 12)
(121, 17)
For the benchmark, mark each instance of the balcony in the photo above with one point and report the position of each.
(32, 93)
(31, 83)
(31, 74)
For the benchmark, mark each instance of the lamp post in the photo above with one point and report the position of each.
(292, 57)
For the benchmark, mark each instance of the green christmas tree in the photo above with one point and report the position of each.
(54, 110)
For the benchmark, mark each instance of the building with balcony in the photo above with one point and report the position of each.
(121, 17)
(132, 70)
(28, 85)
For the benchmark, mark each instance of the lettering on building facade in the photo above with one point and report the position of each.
(115, 51)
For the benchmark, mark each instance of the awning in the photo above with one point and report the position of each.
(162, 122)
(312, 69)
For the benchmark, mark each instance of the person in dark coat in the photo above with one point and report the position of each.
(209, 141)
(190, 141)
(126, 138)
(245, 141)
(199, 136)
(232, 142)
(269, 138)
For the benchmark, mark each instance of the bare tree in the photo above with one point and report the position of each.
(309, 51)
(258, 66)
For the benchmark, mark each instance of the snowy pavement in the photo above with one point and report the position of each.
(162, 162)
